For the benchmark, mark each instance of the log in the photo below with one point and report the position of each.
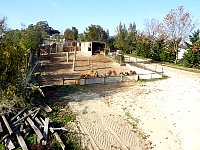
(21, 141)
(9, 144)
(7, 124)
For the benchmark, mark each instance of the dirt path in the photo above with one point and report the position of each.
(167, 111)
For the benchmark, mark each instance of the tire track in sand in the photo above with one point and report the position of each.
(109, 132)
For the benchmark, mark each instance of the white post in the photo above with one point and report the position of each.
(74, 60)
(67, 54)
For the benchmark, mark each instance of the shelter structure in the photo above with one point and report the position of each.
(93, 47)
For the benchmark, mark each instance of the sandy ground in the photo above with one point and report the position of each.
(167, 111)
(55, 67)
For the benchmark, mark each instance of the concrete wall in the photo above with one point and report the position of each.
(85, 46)
(144, 74)
(104, 80)
(149, 76)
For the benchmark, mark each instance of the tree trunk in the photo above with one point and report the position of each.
(176, 51)
(176, 60)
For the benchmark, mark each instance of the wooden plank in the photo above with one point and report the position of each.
(37, 131)
(21, 141)
(7, 124)
(41, 125)
(7, 135)
(55, 134)
(60, 129)
(22, 118)
(1, 129)
(45, 132)
(37, 111)
(9, 144)
(58, 138)
(19, 113)
(46, 108)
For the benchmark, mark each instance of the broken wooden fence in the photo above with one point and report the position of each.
(24, 123)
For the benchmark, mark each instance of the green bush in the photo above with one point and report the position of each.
(167, 56)
(191, 59)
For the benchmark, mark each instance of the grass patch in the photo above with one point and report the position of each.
(2, 147)
(59, 118)
(56, 116)
(180, 66)
(136, 56)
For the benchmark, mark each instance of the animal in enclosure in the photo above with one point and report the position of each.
(114, 73)
(93, 73)
(132, 72)
(127, 73)
(111, 73)
(82, 76)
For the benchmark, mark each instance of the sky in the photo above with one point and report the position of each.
(63, 14)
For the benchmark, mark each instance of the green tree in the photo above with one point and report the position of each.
(75, 31)
(2, 25)
(45, 26)
(191, 57)
(132, 34)
(81, 37)
(111, 41)
(143, 45)
(32, 37)
(71, 34)
(96, 33)
(121, 38)
(12, 59)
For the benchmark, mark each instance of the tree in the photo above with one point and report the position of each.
(191, 57)
(142, 45)
(132, 34)
(32, 37)
(151, 28)
(111, 41)
(45, 26)
(81, 37)
(71, 34)
(68, 34)
(178, 24)
(2, 25)
(121, 38)
(96, 33)
(75, 31)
